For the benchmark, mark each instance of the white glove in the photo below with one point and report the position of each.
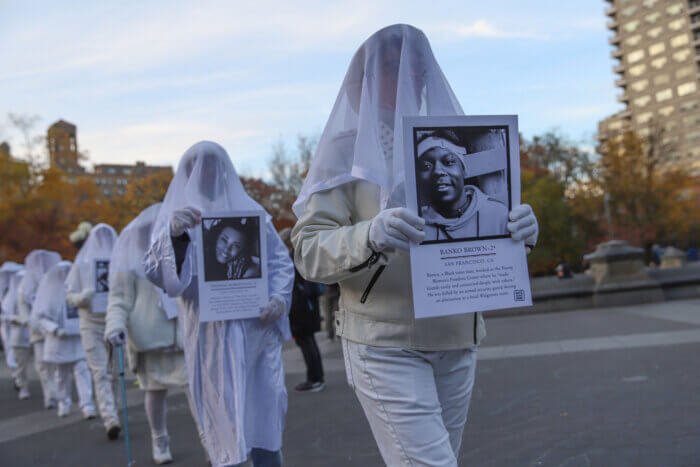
(59, 332)
(183, 219)
(523, 224)
(86, 295)
(394, 228)
(117, 338)
(274, 309)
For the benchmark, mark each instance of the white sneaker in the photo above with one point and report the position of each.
(24, 393)
(161, 450)
(89, 413)
(63, 410)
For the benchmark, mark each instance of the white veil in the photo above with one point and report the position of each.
(392, 75)
(132, 244)
(99, 244)
(205, 179)
(51, 290)
(36, 264)
(7, 270)
(10, 299)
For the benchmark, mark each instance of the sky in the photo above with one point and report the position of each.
(145, 80)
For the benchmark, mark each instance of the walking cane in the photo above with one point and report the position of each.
(126, 415)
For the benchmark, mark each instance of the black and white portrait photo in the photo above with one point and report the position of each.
(101, 276)
(231, 248)
(462, 182)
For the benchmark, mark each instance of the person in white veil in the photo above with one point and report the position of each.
(80, 291)
(7, 270)
(413, 378)
(37, 263)
(144, 319)
(234, 367)
(62, 345)
(18, 336)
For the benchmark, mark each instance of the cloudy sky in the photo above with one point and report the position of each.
(145, 80)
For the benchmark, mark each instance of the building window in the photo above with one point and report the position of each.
(681, 55)
(107, 192)
(638, 70)
(645, 117)
(689, 105)
(655, 32)
(97, 181)
(681, 39)
(685, 71)
(635, 56)
(661, 79)
(640, 85)
(651, 18)
(631, 26)
(674, 9)
(676, 24)
(664, 95)
(686, 88)
(657, 48)
(111, 170)
(629, 11)
(633, 40)
(658, 63)
(642, 101)
(666, 111)
(127, 171)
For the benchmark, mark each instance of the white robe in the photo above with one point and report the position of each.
(234, 367)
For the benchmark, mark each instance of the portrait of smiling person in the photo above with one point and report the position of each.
(231, 248)
(461, 181)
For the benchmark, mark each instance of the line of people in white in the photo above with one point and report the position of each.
(413, 378)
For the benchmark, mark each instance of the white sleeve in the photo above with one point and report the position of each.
(161, 267)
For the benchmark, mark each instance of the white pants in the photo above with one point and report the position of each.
(416, 402)
(83, 383)
(98, 361)
(21, 371)
(9, 350)
(46, 372)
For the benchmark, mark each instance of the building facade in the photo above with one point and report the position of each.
(111, 179)
(656, 44)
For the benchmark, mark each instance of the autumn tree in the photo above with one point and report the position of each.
(651, 193)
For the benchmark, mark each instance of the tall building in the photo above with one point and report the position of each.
(111, 179)
(657, 47)
(62, 142)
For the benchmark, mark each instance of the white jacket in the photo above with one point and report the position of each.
(376, 306)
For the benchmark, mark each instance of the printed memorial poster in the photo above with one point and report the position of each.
(100, 269)
(462, 178)
(232, 266)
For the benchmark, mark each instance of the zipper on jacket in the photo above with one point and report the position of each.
(371, 261)
(372, 281)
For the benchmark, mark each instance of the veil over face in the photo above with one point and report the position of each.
(392, 75)
(51, 291)
(205, 179)
(132, 244)
(7, 270)
(99, 244)
(37, 263)
(10, 299)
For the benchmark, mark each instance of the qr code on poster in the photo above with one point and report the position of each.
(519, 295)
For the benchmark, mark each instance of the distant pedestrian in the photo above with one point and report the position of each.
(305, 321)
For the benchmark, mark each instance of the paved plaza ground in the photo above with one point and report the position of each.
(611, 387)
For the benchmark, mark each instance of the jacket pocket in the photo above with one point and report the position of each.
(372, 281)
